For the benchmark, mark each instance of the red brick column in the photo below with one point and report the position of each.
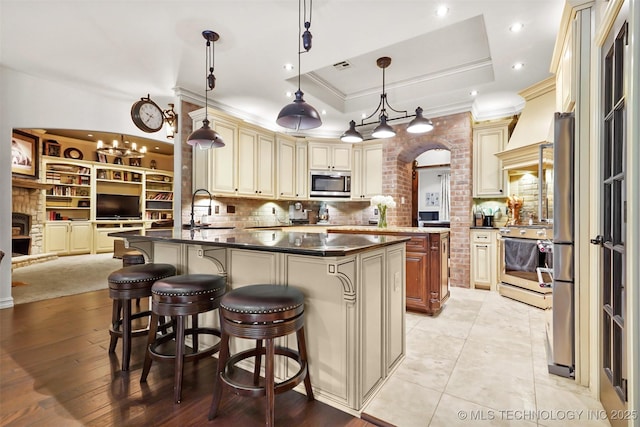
(455, 134)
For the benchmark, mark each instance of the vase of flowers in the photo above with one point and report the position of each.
(382, 203)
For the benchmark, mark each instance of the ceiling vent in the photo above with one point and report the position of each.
(342, 65)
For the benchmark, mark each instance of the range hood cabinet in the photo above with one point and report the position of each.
(533, 129)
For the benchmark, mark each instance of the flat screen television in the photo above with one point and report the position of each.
(117, 206)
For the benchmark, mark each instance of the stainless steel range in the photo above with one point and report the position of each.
(525, 256)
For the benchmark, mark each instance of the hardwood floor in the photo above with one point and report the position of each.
(55, 370)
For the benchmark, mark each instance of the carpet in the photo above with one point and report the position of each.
(68, 275)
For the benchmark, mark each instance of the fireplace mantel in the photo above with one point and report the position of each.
(29, 183)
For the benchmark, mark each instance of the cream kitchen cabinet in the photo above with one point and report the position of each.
(291, 168)
(366, 175)
(489, 138)
(255, 163)
(214, 169)
(329, 156)
(68, 237)
(484, 262)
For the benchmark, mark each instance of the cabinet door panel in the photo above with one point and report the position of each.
(56, 239)
(372, 168)
(264, 161)
(286, 169)
(341, 158)
(319, 157)
(416, 291)
(221, 172)
(246, 162)
(80, 240)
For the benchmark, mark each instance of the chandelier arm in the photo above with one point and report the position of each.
(380, 104)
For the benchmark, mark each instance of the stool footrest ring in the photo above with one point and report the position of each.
(188, 356)
(243, 389)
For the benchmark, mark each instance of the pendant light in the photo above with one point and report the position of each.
(299, 115)
(419, 124)
(205, 137)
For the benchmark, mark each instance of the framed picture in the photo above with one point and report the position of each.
(51, 148)
(134, 161)
(102, 158)
(24, 154)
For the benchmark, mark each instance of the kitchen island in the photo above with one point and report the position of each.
(427, 269)
(354, 287)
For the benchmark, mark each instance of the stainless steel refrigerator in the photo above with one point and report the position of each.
(561, 337)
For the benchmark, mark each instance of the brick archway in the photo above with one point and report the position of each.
(454, 133)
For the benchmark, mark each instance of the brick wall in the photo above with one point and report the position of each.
(453, 133)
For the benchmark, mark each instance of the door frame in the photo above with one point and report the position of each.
(608, 24)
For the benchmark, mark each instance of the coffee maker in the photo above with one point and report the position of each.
(298, 215)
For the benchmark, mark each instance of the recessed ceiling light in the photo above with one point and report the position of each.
(442, 11)
(473, 92)
(288, 67)
(288, 94)
(364, 115)
(517, 66)
(324, 112)
(516, 27)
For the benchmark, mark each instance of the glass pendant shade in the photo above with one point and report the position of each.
(299, 115)
(351, 135)
(420, 124)
(205, 137)
(383, 130)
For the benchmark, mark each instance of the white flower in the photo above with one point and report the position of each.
(380, 200)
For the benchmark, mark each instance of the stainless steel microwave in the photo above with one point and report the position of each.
(330, 184)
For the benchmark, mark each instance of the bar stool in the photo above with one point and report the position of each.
(125, 284)
(132, 258)
(182, 296)
(261, 312)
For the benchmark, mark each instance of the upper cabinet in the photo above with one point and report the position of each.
(489, 138)
(366, 175)
(329, 156)
(214, 169)
(291, 168)
(255, 163)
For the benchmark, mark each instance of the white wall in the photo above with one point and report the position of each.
(429, 182)
(30, 102)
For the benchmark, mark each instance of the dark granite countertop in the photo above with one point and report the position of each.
(314, 244)
(482, 227)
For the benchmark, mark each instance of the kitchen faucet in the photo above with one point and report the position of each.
(193, 198)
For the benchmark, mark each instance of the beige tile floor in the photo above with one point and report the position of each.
(481, 362)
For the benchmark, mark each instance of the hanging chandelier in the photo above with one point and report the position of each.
(205, 137)
(419, 124)
(299, 115)
(121, 148)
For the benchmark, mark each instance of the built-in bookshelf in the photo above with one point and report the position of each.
(70, 196)
(158, 195)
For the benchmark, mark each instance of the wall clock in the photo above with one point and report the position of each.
(147, 116)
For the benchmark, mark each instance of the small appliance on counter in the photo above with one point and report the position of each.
(323, 214)
(373, 220)
(298, 215)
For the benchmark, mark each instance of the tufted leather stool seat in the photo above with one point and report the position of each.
(261, 312)
(180, 297)
(125, 284)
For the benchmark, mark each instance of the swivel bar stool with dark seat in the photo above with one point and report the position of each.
(261, 312)
(125, 284)
(182, 296)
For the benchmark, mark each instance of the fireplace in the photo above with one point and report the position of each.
(20, 233)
